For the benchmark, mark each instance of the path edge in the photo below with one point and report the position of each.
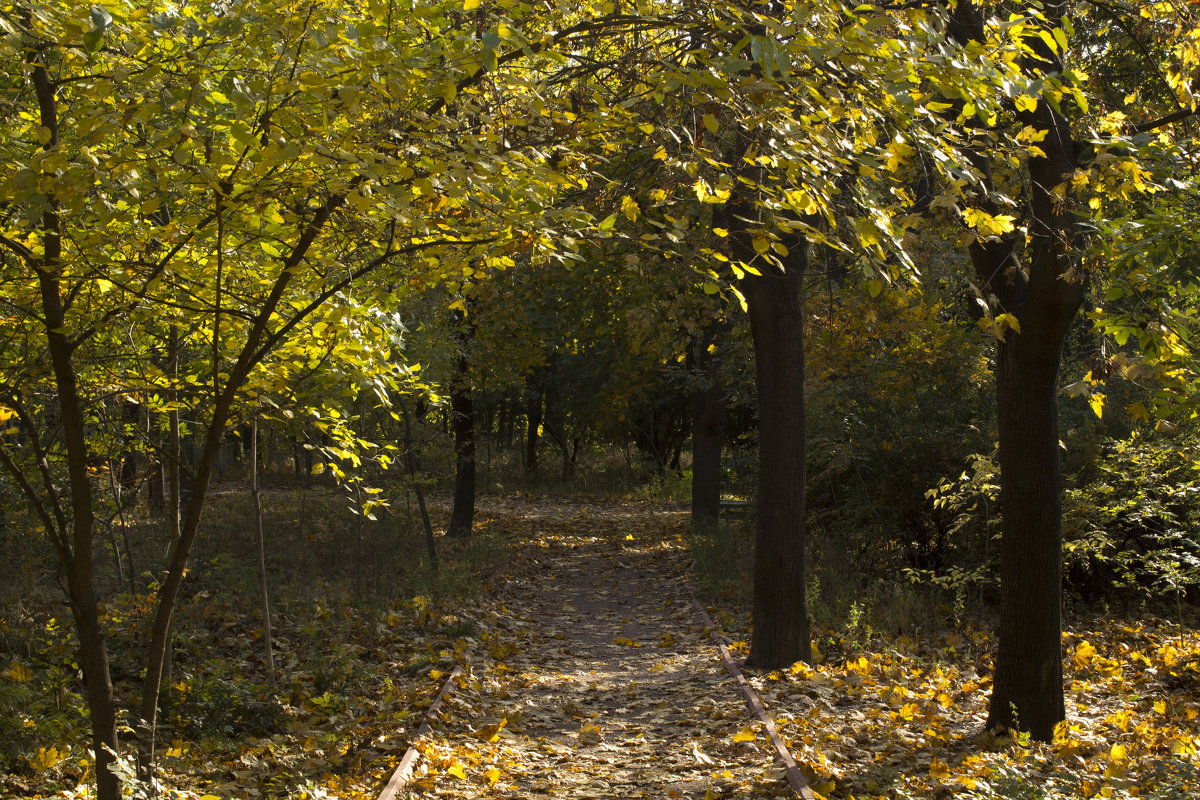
(405, 768)
(755, 704)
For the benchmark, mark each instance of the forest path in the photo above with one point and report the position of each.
(596, 677)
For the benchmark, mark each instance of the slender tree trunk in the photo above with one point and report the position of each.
(410, 461)
(533, 427)
(128, 481)
(76, 546)
(260, 542)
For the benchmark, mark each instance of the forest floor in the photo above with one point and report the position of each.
(589, 674)
(596, 678)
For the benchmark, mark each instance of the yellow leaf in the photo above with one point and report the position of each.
(1117, 753)
(661, 154)
(1084, 653)
(19, 673)
(938, 770)
(710, 122)
(457, 771)
(490, 733)
(47, 757)
(907, 711)
(761, 244)
(630, 207)
(1026, 103)
(1138, 412)
(1160, 707)
(471, 5)
(986, 224)
(746, 735)
(493, 775)
(591, 734)
(1096, 401)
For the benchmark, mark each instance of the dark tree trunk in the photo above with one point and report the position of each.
(1028, 684)
(708, 409)
(781, 635)
(533, 412)
(410, 462)
(463, 516)
(1044, 295)
(462, 409)
(73, 539)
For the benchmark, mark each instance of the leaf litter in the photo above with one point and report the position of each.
(594, 677)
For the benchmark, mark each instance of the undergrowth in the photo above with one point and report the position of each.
(363, 630)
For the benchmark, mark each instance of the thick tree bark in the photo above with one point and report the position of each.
(1028, 684)
(781, 634)
(707, 432)
(1044, 296)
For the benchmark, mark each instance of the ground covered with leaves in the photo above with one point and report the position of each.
(588, 674)
(595, 677)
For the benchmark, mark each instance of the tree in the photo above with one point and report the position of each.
(1033, 280)
(175, 171)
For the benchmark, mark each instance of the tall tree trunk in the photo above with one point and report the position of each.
(1044, 295)
(410, 462)
(261, 547)
(1028, 684)
(75, 542)
(781, 634)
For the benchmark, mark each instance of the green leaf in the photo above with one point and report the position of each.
(92, 41)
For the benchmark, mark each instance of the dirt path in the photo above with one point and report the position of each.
(596, 679)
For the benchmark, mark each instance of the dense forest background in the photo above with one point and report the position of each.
(900, 300)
